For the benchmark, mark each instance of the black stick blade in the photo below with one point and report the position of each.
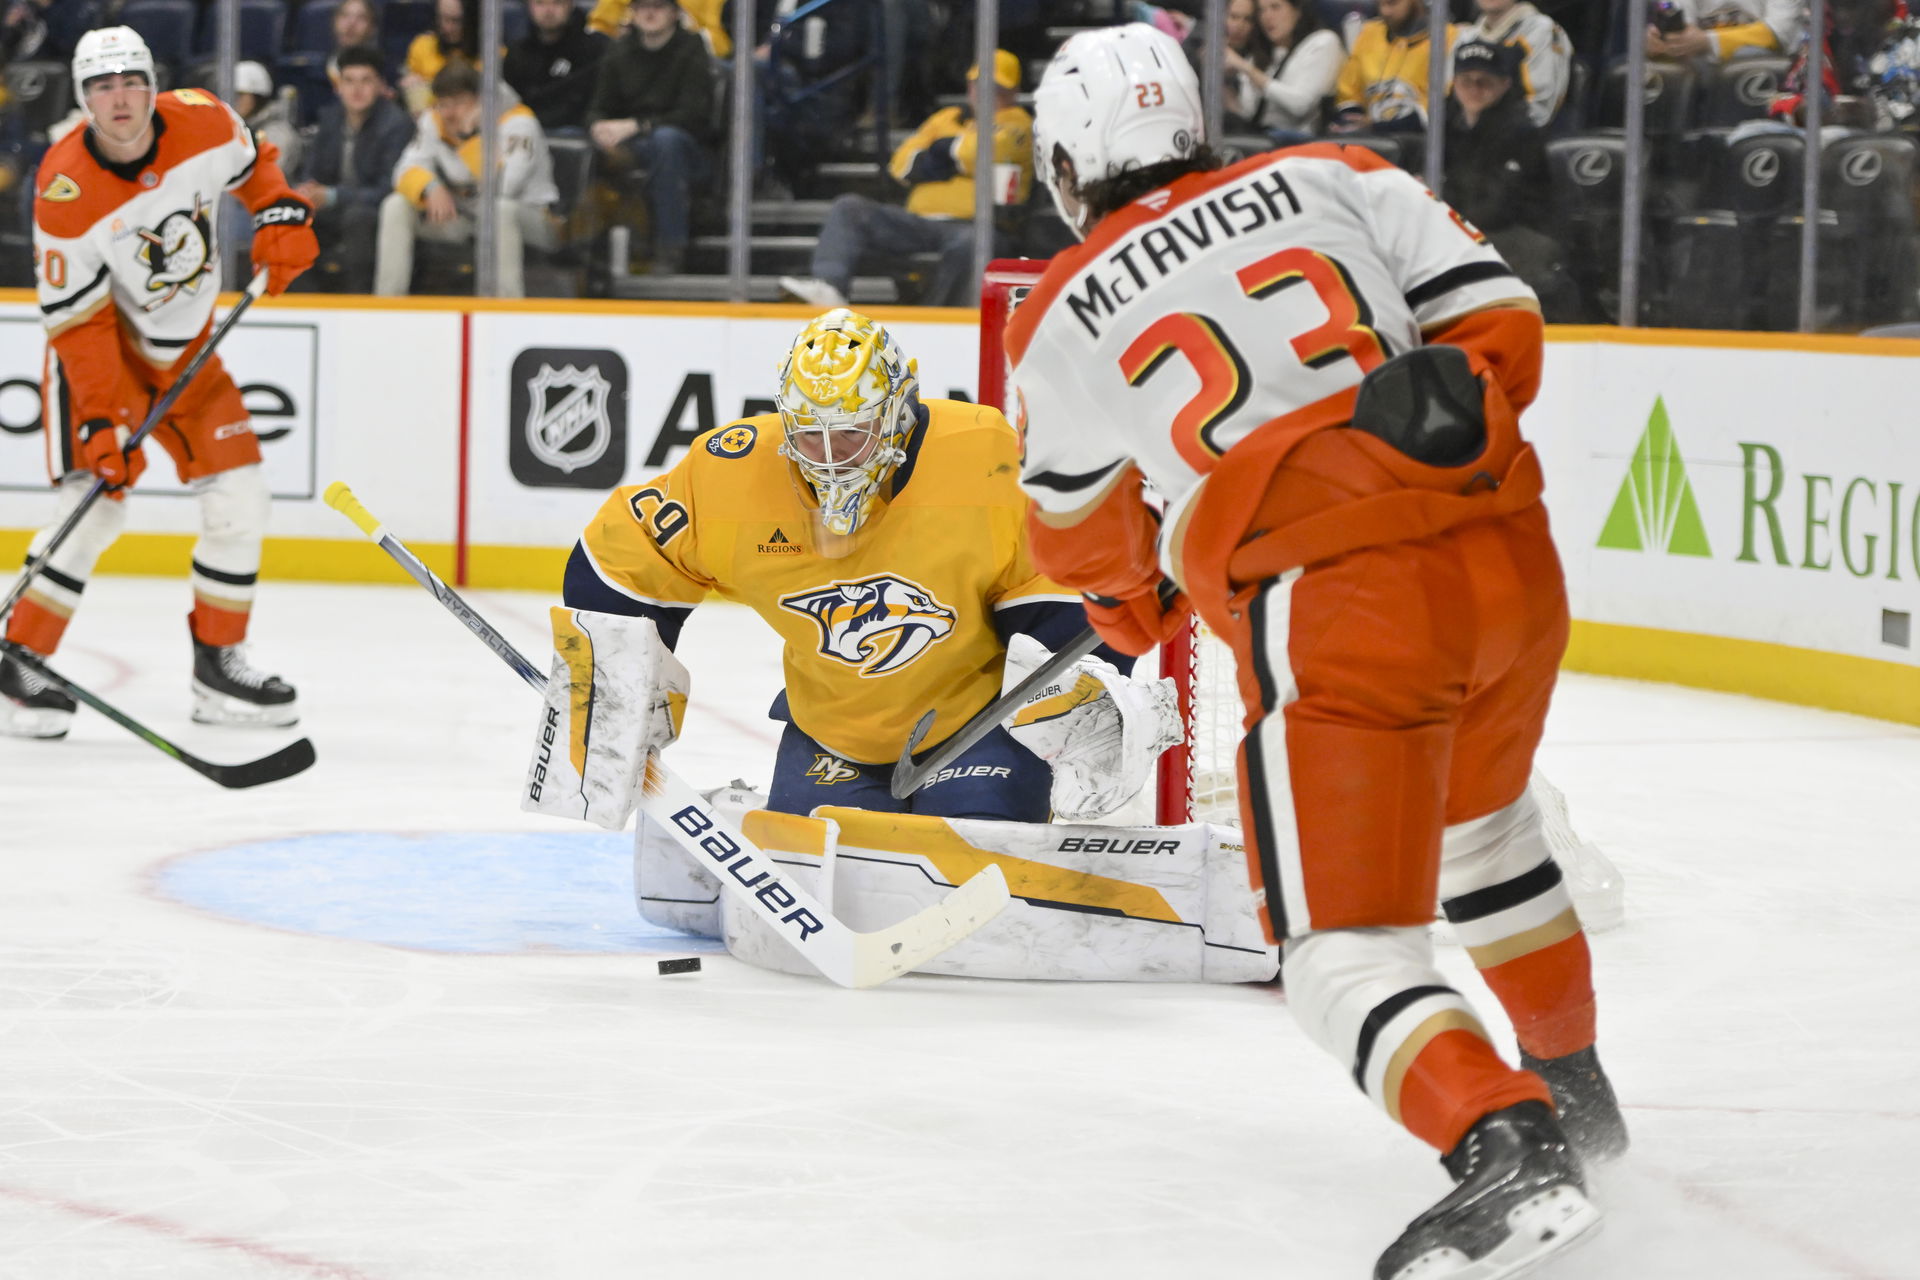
(295, 757)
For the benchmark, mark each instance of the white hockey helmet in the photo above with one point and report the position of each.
(1114, 99)
(845, 373)
(110, 51)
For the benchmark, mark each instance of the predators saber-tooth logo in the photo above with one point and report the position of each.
(827, 770)
(878, 624)
(178, 254)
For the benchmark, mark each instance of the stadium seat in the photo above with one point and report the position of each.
(313, 27)
(1587, 173)
(41, 93)
(1669, 98)
(1747, 186)
(1867, 180)
(513, 23)
(1741, 90)
(166, 25)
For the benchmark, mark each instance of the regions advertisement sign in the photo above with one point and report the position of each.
(1763, 495)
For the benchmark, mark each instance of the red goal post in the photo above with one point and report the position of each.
(1006, 284)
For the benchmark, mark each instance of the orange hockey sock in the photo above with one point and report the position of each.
(214, 625)
(1455, 1079)
(36, 626)
(1548, 995)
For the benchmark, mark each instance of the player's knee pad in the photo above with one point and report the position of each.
(233, 519)
(96, 531)
(1372, 999)
(1500, 888)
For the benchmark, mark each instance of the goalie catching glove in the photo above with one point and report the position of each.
(1101, 731)
(616, 694)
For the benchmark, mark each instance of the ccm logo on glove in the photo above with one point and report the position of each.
(291, 213)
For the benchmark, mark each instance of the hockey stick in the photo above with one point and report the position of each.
(844, 955)
(293, 758)
(908, 776)
(254, 289)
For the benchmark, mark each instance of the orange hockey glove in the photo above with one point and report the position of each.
(103, 451)
(1138, 623)
(283, 241)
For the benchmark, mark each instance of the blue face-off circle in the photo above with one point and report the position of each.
(475, 892)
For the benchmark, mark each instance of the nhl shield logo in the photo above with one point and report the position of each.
(568, 418)
(567, 425)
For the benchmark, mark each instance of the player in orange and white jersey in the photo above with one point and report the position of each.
(128, 269)
(1319, 367)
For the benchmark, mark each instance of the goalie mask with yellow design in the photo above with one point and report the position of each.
(849, 401)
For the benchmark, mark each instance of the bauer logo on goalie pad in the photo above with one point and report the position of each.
(878, 624)
(569, 418)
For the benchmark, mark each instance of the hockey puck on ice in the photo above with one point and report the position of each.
(683, 964)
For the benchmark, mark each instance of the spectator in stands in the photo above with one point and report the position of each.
(455, 38)
(809, 100)
(938, 165)
(652, 109)
(1721, 29)
(349, 170)
(42, 30)
(1383, 86)
(437, 184)
(1496, 169)
(1546, 55)
(1288, 91)
(1245, 48)
(1870, 68)
(269, 117)
(555, 66)
(356, 25)
(705, 17)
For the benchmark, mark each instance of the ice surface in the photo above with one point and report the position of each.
(431, 1046)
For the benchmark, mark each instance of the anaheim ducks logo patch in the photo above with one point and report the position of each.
(878, 624)
(61, 190)
(178, 254)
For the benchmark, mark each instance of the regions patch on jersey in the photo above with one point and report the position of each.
(734, 442)
(61, 190)
(878, 624)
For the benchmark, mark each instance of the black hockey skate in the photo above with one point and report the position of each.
(32, 706)
(229, 690)
(1582, 1094)
(1520, 1200)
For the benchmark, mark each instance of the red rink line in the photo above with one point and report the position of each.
(185, 1235)
(1816, 1251)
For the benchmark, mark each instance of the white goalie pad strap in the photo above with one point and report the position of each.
(616, 692)
(1101, 731)
(1101, 904)
(669, 887)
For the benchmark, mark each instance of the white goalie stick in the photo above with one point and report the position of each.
(844, 955)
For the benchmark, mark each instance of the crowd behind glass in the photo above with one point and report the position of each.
(1759, 180)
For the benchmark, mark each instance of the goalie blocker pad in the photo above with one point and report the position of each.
(1090, 903)
(616, 692)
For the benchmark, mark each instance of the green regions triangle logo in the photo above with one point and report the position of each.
(1655, 510)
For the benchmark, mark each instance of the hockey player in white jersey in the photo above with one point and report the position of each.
(1319, 367)
(127, 268)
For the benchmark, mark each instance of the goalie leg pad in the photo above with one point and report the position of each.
(615, 694)
(671, 889)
